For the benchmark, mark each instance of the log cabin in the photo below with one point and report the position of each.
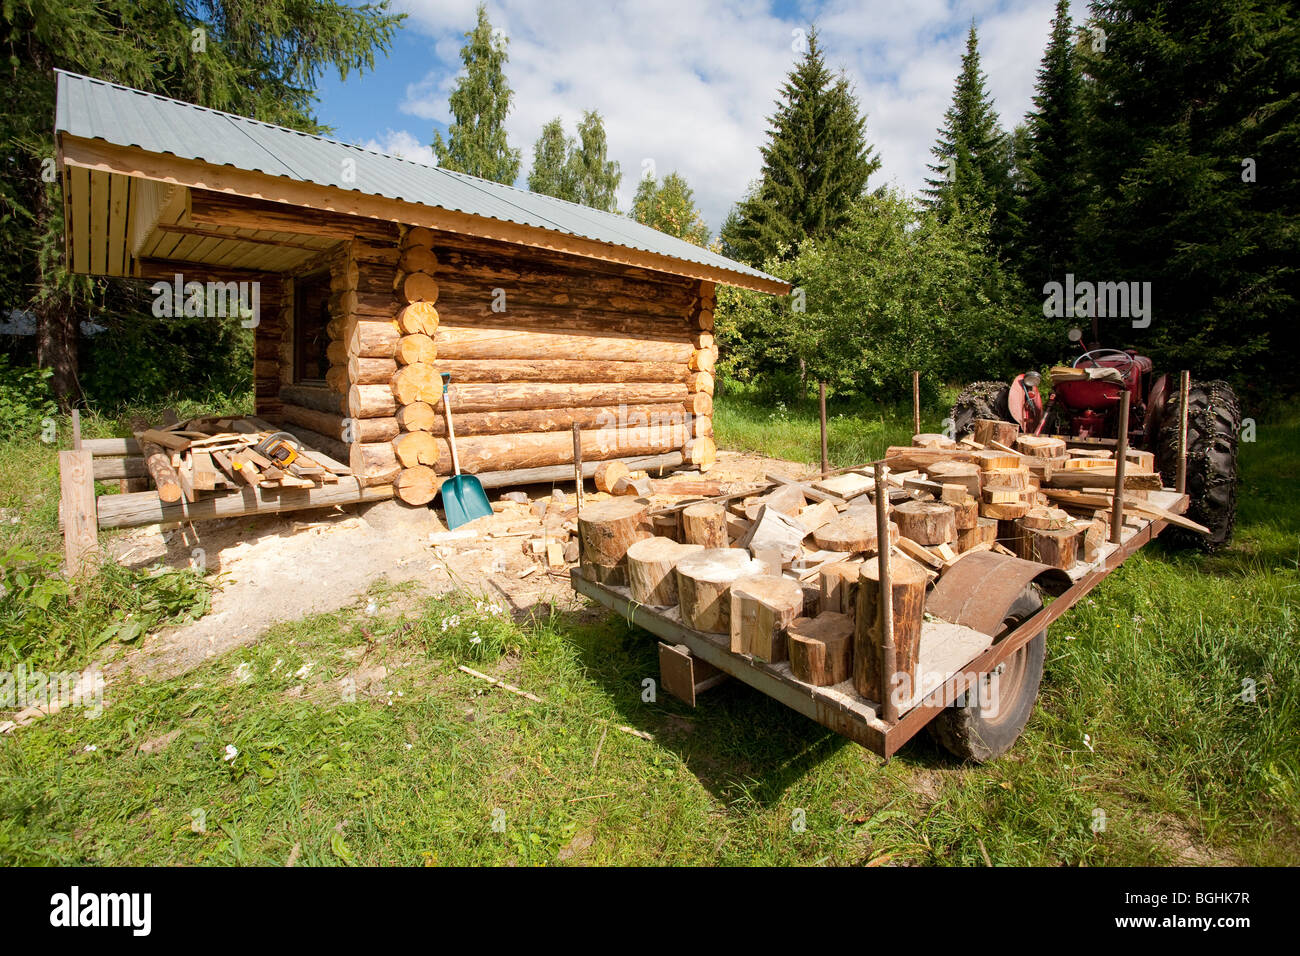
(367, 277)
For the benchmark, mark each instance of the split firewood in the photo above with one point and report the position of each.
(762, 608)
(774, 530)
(838, 587)
(821, 649)
(628, 485)
(817, 515)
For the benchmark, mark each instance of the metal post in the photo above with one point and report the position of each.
(1184, 392)
(826, 462)
(888, 654)
(577, 463)
(1121, 464)
(916, 403)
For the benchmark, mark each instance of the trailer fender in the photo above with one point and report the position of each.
(981, 588)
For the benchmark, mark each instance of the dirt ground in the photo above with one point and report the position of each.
(279, 568)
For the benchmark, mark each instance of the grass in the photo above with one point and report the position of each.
(358, 741)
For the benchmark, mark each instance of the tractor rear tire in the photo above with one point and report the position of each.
(980, 400)
(1213, 433)
(979, 733)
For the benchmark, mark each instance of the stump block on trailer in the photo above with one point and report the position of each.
(989, 430)
(684, 675)
(704, 581)
(908, 582)
(652, 570)
(763, 606)
(926, 522)
(607, 529)
(705, 524)
(821, 649)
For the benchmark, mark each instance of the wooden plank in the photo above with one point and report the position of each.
(77, 504)
(134, 510)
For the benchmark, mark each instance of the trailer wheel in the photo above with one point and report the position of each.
(1213, 427)
(985, 729)
(980, 400)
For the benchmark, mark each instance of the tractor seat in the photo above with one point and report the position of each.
(1067, 373)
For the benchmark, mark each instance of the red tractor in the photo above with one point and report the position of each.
(1083, 403)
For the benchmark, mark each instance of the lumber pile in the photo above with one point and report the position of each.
(207, 457)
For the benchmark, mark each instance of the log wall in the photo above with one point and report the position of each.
(534, 341)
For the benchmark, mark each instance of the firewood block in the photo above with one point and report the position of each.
(762, 608)
(908, 582)
(821, 649)
(651, 570)
(926, 522)
(704, 580)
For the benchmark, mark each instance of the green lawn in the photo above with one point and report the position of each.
(357, 740)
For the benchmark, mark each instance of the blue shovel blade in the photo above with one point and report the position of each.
(463, 500)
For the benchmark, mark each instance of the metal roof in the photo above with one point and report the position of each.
(96, 109)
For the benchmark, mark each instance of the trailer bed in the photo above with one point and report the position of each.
(952, 656)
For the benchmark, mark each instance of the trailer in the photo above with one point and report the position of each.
(981, 649)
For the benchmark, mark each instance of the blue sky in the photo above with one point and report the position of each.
(686, 85)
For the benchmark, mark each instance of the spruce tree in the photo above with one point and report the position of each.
(816, 164)
(1193, 129)
(973, 158)
(1050, 167)
(476, 140)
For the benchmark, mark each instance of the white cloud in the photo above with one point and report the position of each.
(690, 84)
(404, 144)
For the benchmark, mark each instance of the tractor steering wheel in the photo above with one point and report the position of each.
(1095, 354)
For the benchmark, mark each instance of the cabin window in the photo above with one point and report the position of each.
(311, 295)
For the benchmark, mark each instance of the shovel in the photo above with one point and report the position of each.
(463, 497)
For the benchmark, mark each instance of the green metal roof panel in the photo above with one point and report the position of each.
(95, 109)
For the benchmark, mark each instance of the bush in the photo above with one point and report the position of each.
(25, 399)
(894, 290)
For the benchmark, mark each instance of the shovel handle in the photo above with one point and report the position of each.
(451, 432)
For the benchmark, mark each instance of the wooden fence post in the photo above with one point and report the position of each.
(77, 497)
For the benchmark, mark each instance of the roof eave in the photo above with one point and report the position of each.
(98, 154)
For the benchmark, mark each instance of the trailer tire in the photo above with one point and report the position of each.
(980, 400)
(972, 733)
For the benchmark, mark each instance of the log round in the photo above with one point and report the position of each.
(415, 348)
(705, 524)
(417, 287)
(419, 258)
(417, 417)
(416, 448)
(1044, 518)
(700, 382)
(1055, 548)
(989, 430)
(966, 513)
(926, 522)
(419, 318)
(417, 383)
(417, 485)
(956, 473)
(417, 236)
(839, 588)
(852, 532)
(607, 475)
(704, 581)
(763, 606)
(705, 320)
(932, 440)
(821, 649)
(608, 528)
(1041, 446)
(651, 570)
(908, 580)
(701, 452)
